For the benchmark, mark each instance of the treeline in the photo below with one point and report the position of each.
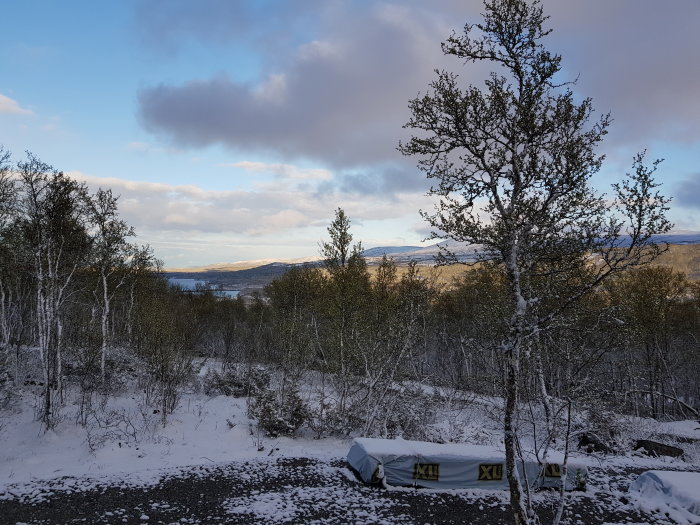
(72, 283)
(630, 345)
(77, 294)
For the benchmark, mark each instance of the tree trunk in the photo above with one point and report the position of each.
(104, 326)
(517, 497)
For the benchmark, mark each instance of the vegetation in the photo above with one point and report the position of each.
(513, 163)
(362, 339)
(69, 278)
(563, 316)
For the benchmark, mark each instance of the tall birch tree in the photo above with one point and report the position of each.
(7, 200)
(112, 255)
(513, 163)
(52, 221)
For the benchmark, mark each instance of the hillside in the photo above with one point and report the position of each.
(683, 255)
(684, 258)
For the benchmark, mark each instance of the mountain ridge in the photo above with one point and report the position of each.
(398, 253)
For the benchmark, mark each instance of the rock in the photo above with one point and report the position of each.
(592, 443)
(653, 448)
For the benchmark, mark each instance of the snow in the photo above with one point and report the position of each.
(403, 447)
(671, 492)
(197, 433)
(206, 431)
(689, 429)
(289, 505)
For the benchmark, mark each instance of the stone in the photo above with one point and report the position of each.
(653, 448)
(592, 443)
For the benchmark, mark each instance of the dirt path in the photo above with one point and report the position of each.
(289, 490)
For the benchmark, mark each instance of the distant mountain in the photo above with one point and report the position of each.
(468, 253)
(243, 265)
(246, 279)
(389, 250)
(253, 275)
(679, 238)
(422, 254)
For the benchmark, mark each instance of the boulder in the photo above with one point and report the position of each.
(653, 448)
(590, 442)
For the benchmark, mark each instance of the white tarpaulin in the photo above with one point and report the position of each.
(670, 491)
(450, 465)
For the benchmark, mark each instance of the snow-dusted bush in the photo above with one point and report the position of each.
(126, 426)
(7, 395)
(278, 412)
(328, 419)
(238, 381)
(403, 411)
(388, 410)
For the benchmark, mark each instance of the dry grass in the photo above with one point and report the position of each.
(440, 275)
(681, 257)
(224, 267)
(684, 258)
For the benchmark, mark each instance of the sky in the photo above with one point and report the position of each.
(232, 130)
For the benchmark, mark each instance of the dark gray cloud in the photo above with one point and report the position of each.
(688, 192)
(341, 99)
(167, 25)
(638, 59)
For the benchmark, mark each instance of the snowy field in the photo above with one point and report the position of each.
(210, 443)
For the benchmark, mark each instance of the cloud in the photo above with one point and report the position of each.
(167, 26)
(7, 105)
(340, 96)
(284, 171)
(688, 192)
(386, 180)
(146, 147)
(341, 99)
(636, 59)
(138, 146)
(271, 209)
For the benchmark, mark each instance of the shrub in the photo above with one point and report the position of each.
(329, 420)
(236, 382)
(278, 413)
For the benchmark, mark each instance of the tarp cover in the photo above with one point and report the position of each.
(450, 465)
(673, 489)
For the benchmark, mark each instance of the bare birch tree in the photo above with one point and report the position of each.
(7, 200)
(513, 163)
(111, 256)
(52, 220)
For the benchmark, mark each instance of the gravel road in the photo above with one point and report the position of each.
(290, 490)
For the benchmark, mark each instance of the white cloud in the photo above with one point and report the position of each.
(146, 147)
(284, 171)
(8, 105)
(269, 209)
(319, 49)
(138, 146)
(188, 225)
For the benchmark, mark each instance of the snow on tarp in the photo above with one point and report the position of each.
(677, 493)
(450, 465)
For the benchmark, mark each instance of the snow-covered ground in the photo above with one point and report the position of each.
(133, 448)
(202, 430)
